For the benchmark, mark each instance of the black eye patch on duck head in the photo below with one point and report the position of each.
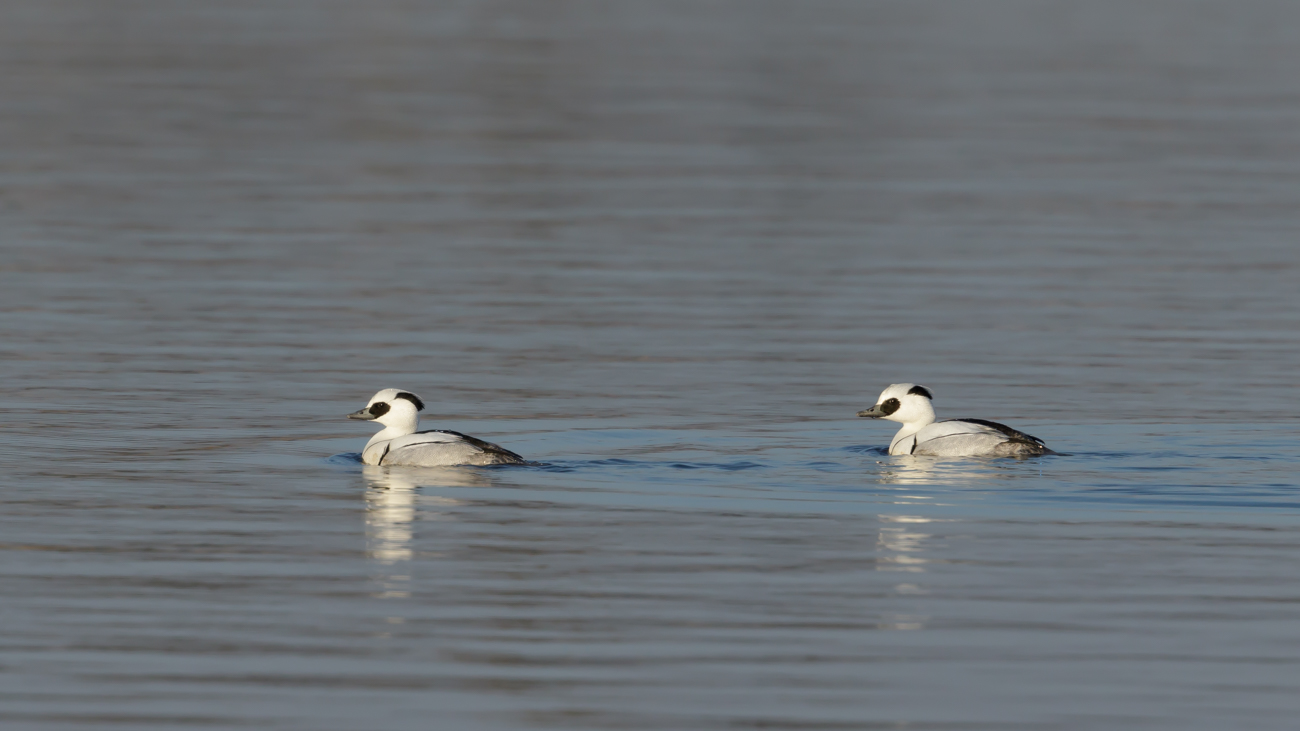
(890, 406)
(379, 409)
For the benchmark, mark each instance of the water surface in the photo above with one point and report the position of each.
(668, 250)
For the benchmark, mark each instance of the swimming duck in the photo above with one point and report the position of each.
(400, 444)
(911, 405)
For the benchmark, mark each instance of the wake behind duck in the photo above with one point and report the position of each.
(911, 405)
(400, 444)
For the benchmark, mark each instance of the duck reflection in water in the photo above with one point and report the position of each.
(910, 471)
(393, 504)
(900, 547)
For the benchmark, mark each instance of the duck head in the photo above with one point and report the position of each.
(397, 410)
(906, 403)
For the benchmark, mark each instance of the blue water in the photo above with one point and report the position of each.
(778, 577)
(666, 251)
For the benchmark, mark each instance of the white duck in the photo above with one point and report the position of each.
(400, 444)
(911, 405)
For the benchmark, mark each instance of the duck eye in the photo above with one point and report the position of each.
(890, 406)
(379, 409)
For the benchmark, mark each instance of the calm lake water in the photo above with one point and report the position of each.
(668, 250)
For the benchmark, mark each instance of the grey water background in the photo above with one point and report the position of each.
(669, 249)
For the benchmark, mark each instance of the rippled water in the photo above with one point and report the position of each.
(667, 250)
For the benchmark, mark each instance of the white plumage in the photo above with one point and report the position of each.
(400, 444)
(912, 406)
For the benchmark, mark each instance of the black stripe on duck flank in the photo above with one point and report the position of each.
(1013, 433)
